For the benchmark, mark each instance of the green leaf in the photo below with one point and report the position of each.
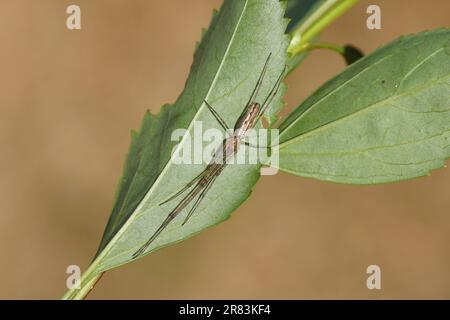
(226, 66)
(385, 118)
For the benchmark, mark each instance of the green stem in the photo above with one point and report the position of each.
(88, 281)
(317, 22)
(328, 46)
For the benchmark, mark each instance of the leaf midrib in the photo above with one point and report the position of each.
(367, 150)
(366, 109)
(333, 91)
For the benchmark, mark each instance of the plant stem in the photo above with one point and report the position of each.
(317, 22)
(328, 46)
(88, 281)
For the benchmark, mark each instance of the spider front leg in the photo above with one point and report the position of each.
(219, 119)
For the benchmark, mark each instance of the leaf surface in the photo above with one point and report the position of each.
(226, 66)
(385, 118)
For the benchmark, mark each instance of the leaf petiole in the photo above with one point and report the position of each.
(348, 52)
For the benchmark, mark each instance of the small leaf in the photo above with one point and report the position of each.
(385, 118)
(226, 66)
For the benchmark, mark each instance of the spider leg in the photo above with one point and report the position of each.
(217, 116)
(257, 87)
(273, 92)
(190, 184)
(172, 215)
(142, 249)
(200, 198)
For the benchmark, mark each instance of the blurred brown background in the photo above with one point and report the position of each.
(68, 100)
